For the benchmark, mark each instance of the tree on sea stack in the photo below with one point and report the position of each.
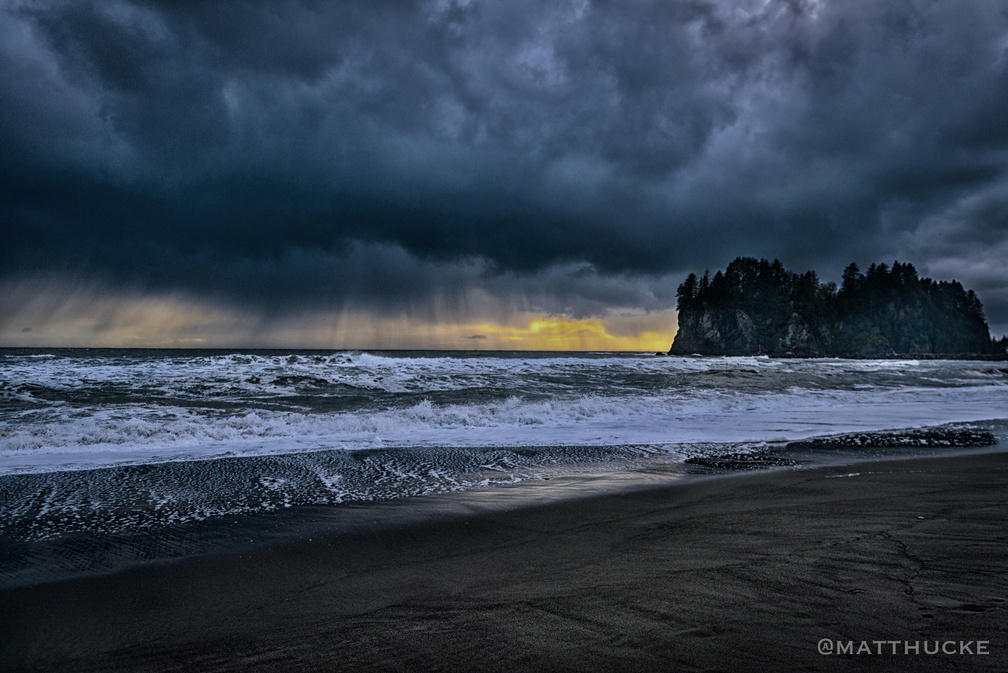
(757, 306)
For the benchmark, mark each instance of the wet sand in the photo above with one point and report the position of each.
(737, 573)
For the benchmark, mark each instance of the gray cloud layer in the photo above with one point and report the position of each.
(265, 152)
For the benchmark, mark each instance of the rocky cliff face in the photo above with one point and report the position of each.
(797, 337)
(710, 332)
(726, 332)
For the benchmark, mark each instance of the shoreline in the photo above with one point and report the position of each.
(89, 552)
(82, 553)
(741, 572)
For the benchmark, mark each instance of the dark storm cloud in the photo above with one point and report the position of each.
(261, 150)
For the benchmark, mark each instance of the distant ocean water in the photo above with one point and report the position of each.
(111, 440)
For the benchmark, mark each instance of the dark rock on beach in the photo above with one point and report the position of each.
(741, 461)
(960, 438)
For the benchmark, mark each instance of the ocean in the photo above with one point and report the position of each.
(107, 444)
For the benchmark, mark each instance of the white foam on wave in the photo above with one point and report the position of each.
(59, 440)
(240, 377)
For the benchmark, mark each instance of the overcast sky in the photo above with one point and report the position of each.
(422, 173)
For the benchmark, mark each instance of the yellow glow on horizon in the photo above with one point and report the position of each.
(90, 317)
(568, 334)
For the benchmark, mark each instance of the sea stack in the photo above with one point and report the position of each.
(758, 307)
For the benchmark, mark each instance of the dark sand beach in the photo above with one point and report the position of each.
(736, 573)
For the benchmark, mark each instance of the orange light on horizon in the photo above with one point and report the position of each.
(99, 319)
(569, 334)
